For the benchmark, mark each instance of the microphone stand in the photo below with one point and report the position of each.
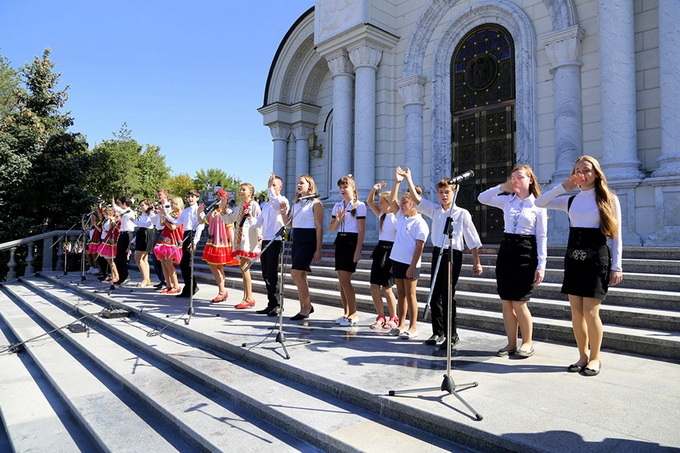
(448, 384)
(280, 337)
(190, 311)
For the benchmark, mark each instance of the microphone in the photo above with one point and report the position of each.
(309, 197)
(127, 211)
(463, 177)
(211, 207)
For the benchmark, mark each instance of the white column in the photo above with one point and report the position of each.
(301, 134)
(618, 91)
(669, 78)
(280, 135)
(412, 92)
(341, 72)
(563, 49)
(365, 59)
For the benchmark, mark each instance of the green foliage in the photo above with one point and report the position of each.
(180, 184)
(208, 179)
(123, 167)
(9, 83)
(35, 151)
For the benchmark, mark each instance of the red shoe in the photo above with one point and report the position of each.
(174, 290)
(164, 291)
(220, 298)
(245, 304)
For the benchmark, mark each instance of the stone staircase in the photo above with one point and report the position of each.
(80, 376)
(641, 315)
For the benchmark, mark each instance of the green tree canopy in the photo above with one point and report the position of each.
(9, 84)
(208, 179)
(122, 166)
(41, 164)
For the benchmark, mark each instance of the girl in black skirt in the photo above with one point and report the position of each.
(307, 214)
(381, 266)
(348, 218)
(590, 267)
(522, 255)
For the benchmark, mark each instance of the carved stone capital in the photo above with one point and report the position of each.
(563, 48)
(365, 55)
(412, 89)
(339, 63)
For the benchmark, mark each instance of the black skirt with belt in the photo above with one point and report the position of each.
(587, 263)
(516, 266)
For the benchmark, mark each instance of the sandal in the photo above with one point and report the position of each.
(220, 298)
(379, 323)
(245, 303)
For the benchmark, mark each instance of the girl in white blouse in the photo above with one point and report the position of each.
(590, 267)
(520, 264)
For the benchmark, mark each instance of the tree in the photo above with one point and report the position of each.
(123, 167)
(9, 83)
(180, 184)
(208, 179)
(28, 132)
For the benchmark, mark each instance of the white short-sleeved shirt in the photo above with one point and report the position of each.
(303, 214)
(350, 223)
(409, 230)
(389, 228)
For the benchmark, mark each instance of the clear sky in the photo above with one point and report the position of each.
(187, 76)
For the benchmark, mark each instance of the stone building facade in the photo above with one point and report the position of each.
(444, 86)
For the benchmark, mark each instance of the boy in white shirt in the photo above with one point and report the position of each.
(463, 233)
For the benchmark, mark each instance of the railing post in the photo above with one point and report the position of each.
(60, 253)
(30, 257)
(47, 253)
(11, 274)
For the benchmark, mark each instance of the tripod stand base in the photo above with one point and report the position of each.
(447, 386)
(281, 339)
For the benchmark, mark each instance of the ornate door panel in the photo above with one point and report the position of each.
(483, 120)
(483, 142)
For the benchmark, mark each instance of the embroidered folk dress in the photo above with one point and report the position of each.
(169, 245)
(217, 250)
(246, 234)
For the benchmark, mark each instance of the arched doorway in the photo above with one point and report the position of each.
(483, 119)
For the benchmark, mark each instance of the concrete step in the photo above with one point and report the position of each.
(221, 378)
(33, 420)
(352, 369)
(95, 402)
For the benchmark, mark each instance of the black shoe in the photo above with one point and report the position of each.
(299, 317)
(454, 342)
(274, 312)
(265, 311)
(182, 294)
(159, 286)
(432, 340)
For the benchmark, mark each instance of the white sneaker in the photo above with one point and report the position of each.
(340, 320)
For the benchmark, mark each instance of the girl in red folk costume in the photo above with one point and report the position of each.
(168, 249)
(217, 250)
(93, 228)
(246, 236)
(109, 238)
